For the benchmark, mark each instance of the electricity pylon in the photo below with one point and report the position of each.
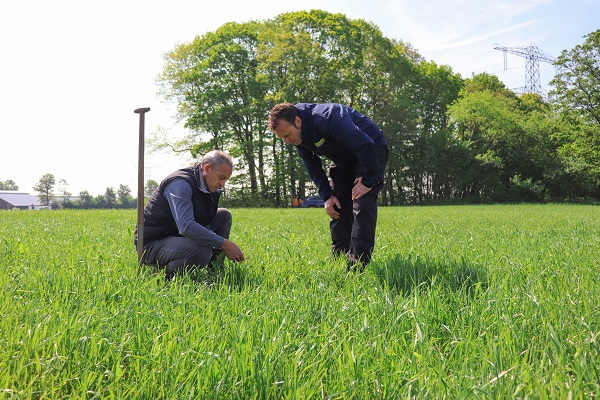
(532, 69)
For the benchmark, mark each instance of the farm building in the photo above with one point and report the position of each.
(10, 200)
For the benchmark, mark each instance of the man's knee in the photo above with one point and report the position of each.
(224, 214)
(200, 257)
(221, 223)
(192, 260)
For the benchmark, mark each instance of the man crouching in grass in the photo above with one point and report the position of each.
(184, 227)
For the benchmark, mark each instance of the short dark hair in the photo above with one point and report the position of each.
(216, 158)
(283, 111)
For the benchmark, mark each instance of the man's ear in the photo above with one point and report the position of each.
(298, 121)
(206, 168)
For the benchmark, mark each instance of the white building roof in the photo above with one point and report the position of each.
(19, 199)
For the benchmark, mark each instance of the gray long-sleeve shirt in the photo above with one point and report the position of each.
(179, 195)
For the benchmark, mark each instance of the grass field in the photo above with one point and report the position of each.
(490, 302)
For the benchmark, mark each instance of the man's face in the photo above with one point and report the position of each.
(215, 177)
(290, 133)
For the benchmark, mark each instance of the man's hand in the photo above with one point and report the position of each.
(329, 207)
(359, 190)
(232, 251)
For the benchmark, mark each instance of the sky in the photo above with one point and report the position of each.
(72, 72)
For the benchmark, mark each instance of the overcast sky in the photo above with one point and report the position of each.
(73, 71)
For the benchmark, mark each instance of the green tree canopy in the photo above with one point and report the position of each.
(151, 186)
(225, 83)
(507, 137)
(577, 96)
(8, 184)
(86, 199)
(110, 197)
(577, 82)
(448, 137)
(45, 188)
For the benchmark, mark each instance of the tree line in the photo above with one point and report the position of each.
(60, 197)
(451, 138)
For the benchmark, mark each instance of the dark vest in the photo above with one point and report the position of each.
(158, 219)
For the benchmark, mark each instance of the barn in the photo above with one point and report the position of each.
(10, 200)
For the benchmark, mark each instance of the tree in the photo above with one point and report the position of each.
(577, 96)
(485, 120)
(45, 188)
(577, 83)
(86, 199)
(214, 80)
(151, 186)
(124, 196)
(8, 185)
(123, 191)
(111, 197)
(101, 201)
(429, 157)
(580, 161)
(509, 141)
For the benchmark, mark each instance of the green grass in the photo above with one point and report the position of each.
(459, 302)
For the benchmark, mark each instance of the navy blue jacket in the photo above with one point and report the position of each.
(341, 134)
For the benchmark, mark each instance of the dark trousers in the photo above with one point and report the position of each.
(177, 253)
(353, 233)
